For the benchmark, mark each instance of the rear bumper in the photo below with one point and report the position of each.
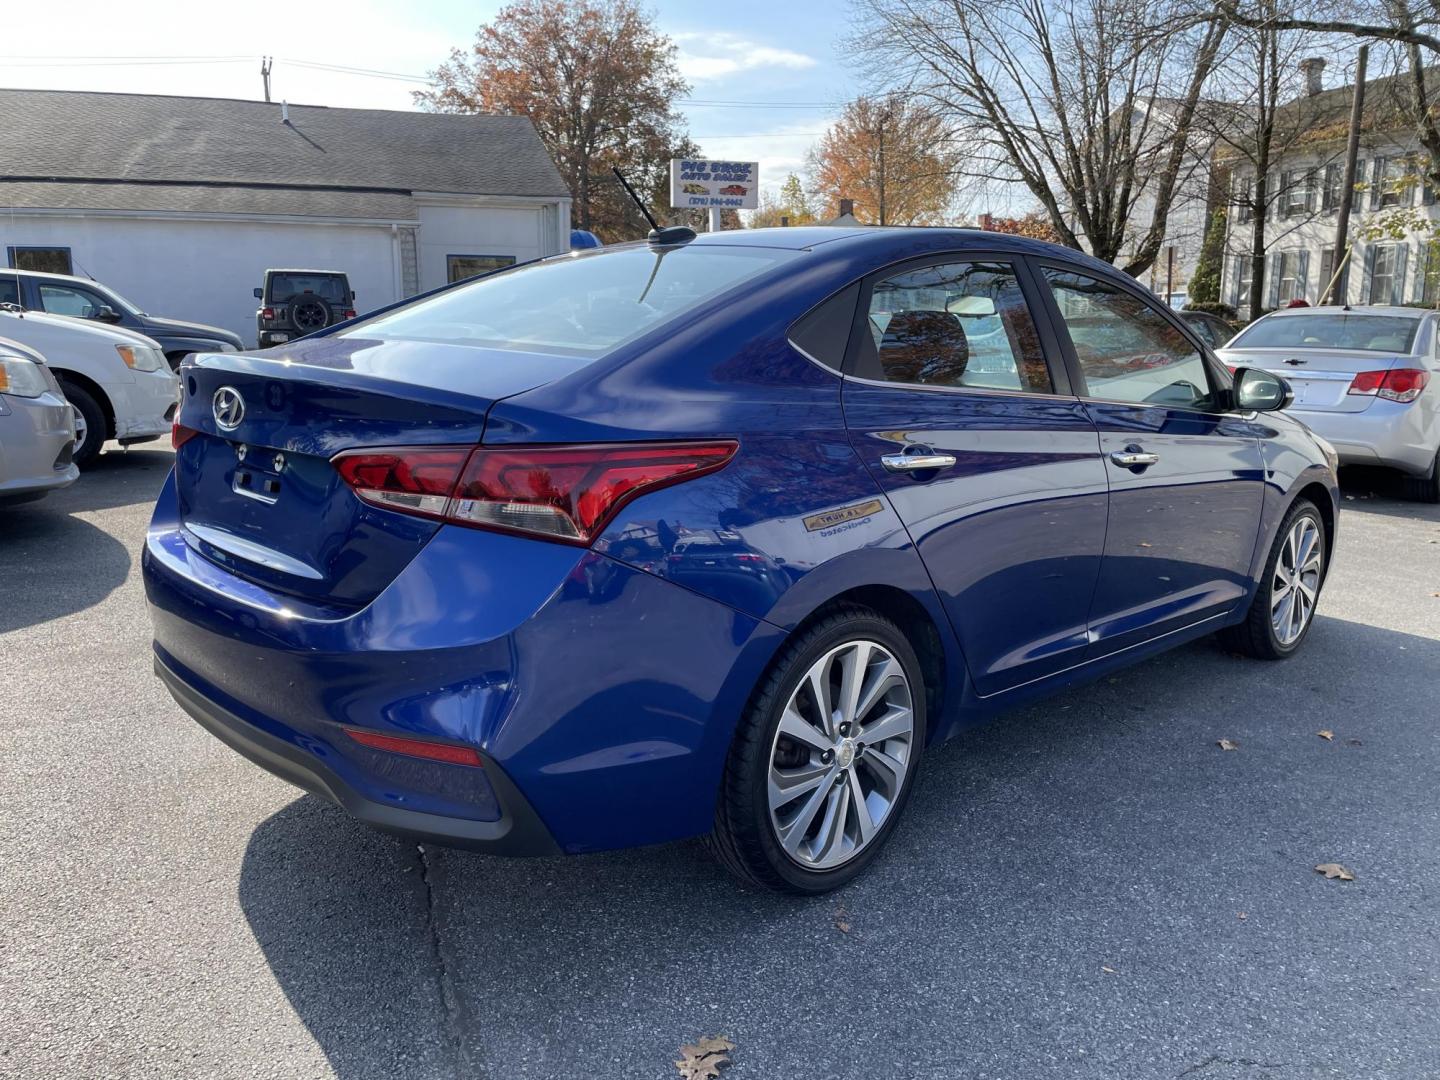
(518, 830)
(1387, 433)
(37, 436)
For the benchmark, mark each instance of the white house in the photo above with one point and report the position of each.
(181, 204)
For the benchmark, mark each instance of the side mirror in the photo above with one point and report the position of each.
(1260, 391)
(107, 314)
(259, 294)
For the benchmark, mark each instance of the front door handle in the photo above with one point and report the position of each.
(916, 462)
(1132, 457)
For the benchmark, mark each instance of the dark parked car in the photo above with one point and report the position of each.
(62, 294)
(715, 535)
(294, 303)
(1213, 330)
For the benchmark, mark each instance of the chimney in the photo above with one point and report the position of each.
(1312, 67)
(847, 206)
(987, 222)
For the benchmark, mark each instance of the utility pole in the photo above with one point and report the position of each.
(265, 62)
(1340, 288)
(883, 119)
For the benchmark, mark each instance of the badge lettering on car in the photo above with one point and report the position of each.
(828, 519)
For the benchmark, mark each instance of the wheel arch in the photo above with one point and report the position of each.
(91, 387)
(1324, 501)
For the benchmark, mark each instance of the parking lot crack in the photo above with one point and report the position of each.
(456, 1028)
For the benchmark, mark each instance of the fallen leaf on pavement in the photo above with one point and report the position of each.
(1107, 970)
(1226, 744)
(704, 1059)
(1241, 916)
(1353, 742)
(842, 919)
(1328, 736)
(1334, 870)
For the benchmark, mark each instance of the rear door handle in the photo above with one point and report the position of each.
(915, 462)
(1133, 457)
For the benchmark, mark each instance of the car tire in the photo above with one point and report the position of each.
(841, 835)
(1259, 636)
(1425, 488)
(96, 426)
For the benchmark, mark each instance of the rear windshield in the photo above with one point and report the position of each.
(1361, 333)
(581, 304)
(325, 286)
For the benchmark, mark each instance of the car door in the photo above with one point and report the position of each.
(961, 409)
(1186, 477)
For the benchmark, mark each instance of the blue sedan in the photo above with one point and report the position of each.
(714, 536)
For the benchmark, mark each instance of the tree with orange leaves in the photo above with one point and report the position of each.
(892, 156)
(598, 81)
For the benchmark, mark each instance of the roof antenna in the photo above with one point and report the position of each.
(671, 234)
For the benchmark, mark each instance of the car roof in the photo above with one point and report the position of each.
(1393, 312)
(299, 270)
(48, 274)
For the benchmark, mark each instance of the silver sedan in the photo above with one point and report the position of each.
(37, 427)
(1363, 382)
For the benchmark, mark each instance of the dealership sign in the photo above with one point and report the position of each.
(714, 185)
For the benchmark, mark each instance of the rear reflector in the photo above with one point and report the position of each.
(1398, 384)
(180, 435)
(421, 748)
(566, 493)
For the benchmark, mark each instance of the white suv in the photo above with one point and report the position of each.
(118, 381)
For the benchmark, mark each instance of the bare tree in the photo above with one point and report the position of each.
(1084, 102)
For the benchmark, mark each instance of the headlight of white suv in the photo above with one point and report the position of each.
(20, 377)
(141, 357)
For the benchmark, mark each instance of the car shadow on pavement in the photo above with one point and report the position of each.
(58, 564)
(119, 477)
(1088, 887)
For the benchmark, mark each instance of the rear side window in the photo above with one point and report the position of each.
(581, 304)
(959, 325)
(9, 290)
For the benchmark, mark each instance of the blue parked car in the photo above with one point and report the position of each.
(714, 537)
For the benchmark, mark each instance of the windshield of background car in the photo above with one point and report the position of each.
(1360, 333)
(581, 305)
(328, 288)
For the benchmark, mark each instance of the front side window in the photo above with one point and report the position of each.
(582, 304)
(66, 300)
(1128, 351)
(43, 260)
(460, 267)
(960, 324)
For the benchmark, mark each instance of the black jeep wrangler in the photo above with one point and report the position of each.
(294, 303)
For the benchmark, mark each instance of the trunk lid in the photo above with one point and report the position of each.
(258, 494)
(1321, 377)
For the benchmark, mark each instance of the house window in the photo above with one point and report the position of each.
(1245, 200)
(1334, 181)
(47, 260)
(1244, 275)
(1290, 273)
(460, 267)
(1295, 192)
(1430, 275)
(1387, 270)
(1392, 179)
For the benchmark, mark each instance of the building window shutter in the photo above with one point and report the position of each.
(1397, 285)
(1302, 270)
(1272, 273)
(1377, 178)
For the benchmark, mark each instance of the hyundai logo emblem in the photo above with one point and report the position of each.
(229, 408)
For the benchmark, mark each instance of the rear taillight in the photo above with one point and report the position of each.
(349, 314)
(180, 435)
(566, 493)
(267, 313)
(1398, 384)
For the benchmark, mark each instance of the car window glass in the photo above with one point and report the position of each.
(1203, 329)
(958, 324)
(9, 290)
(326, 286)
(824, 330)
(64, 300)
(1362, 333)
(1128, 350)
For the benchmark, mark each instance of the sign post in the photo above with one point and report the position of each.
(698, 184)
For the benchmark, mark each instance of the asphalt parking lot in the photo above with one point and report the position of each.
(1087, 888)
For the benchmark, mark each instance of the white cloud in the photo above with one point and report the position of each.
(707, 56)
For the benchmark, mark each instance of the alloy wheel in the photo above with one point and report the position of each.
(1296, 583)
(841, 754)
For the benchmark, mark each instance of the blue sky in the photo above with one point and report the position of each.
(766, 53)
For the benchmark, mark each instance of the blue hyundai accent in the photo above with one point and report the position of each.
(713, 537)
